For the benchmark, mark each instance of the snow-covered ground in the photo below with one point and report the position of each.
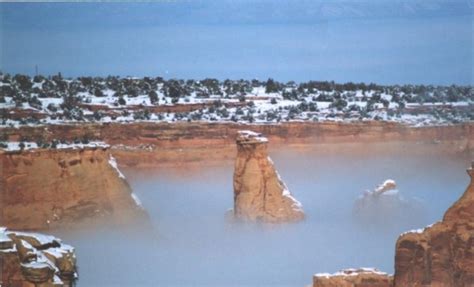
(63, 101)
(16, 146)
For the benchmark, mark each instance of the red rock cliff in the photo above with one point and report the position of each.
(151, 144)
(259, 192)
(441, 254)
(48, 188)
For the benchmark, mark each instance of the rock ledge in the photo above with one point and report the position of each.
(34, 259)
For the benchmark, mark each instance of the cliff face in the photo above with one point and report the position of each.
(259, 192)
(31, 259)
(49, 188)
(441, 254)
(157, 143)
(363, 277)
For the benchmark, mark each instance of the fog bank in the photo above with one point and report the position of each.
(193, 244)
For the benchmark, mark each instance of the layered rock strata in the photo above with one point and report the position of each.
(155, 144)
(363, 277)
(259, 192)
(50, 188)
(441, 254)
(32, 259)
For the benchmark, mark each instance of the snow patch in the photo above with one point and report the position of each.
(419, 230)
(253, 136)
(352, 272)
(113, 163)
(16, 146)
(136, 199)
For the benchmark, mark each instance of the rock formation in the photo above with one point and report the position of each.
(441, 254)
(259, 192)
(363, 277)
(31, 259)
(384, 207)
(49, 188)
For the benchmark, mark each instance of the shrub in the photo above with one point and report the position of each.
(35, 103)
(153, 97)
(272, 86)
(339, 104)
(23, 82)
(52, 107)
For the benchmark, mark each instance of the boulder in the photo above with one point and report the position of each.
(34, 259)
(259, 192)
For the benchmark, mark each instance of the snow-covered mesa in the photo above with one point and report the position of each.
(126, 100)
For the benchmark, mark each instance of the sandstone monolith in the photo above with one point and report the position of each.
(259, 192)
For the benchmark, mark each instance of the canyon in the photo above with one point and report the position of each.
(108, 198)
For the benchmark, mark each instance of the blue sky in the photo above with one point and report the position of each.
(386, 42)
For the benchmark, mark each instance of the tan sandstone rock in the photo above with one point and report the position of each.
(33, 259)
(441, 254)
(68, 188)
(362, 277)
(259, 192)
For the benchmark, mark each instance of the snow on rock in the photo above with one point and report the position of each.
(352, 272)
(17, 146)
(246, 136)
(369, 277)
(36, 258)
(93, 144)
(419, 230)
(113, 163)
(37, 240)
(5, 241)
(385, 206)
(387, 185)
(136, 199)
